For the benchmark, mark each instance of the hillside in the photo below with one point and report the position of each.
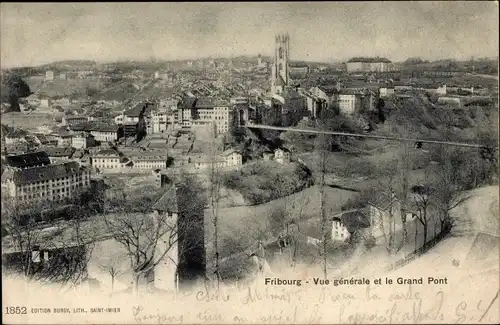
(262, 182)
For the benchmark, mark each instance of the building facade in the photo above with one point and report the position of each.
(282, 156)
(53, 182)
(49, 75)
(106, 159)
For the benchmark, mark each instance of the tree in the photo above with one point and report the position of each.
(66, 245)
(16, 88)
(147, 235)
(323, 144)
(215, 181)
(448, 187)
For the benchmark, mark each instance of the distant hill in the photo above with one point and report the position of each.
(70, 65)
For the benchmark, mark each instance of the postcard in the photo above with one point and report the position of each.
(250, 163)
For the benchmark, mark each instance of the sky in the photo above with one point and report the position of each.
(38, 33)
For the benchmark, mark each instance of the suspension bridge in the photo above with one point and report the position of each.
(370, 136)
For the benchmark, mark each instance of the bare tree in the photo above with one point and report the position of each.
(448, 187)
(215, 181)
(146, 236)
(66, 245)
(323, 144)
(149, 236)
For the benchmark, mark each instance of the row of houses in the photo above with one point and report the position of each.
(187, 113)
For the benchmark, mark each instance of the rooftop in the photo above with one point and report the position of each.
(168, 201)
(59, 151)
(107, 152)
(42, 173)
(28, 159)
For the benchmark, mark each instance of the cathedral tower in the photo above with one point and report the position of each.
(280, 75)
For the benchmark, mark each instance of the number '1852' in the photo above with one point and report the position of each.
(16, 310)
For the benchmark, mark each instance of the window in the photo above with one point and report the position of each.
(280, 50)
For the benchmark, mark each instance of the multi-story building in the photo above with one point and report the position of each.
(348, 102)
(283, 156)
(63, 136)
(386, 91)
(45, 102)
(82, 140)
(53, 182)
(148, 161)
(232, 158)
(352, 101)
(315, 103)
(339, 230)
(74, 119)
(59, 154)
(104, 133)
(49, 75)
(202, 111)
(371, 65)
(165, 116)
(106, 159)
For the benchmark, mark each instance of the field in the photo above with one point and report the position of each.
(245, 223)
(34, 122)
(56, 88)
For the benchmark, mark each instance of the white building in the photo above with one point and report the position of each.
(147, 161)
(232, 158)
(106, 159)
(82, 140)
(45, 102)
(339, 230)
(347, 103)
(283, 156)
(386, 91)
(53, 182)
(105, 133)
(49, 75)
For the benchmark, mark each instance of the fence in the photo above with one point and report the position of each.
(416, 253)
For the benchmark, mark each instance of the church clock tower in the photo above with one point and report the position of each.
(280, 74)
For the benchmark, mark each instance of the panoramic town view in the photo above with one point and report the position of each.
(155, 173)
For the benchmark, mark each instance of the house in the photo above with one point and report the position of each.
(59, 154)
(161, 178)
(106, 159)
(74, 119)
(45, 102)
(232, 158)
(435, 88)
(149, 161)
(345, 224)
(64, 136)
(49, 75)
(386, 91)
(56, 261)
(203, 162)
(268, 155)
(104, 132)
(444, 100)
(339, 230)
(282, 155)
(382, 210)
(83, 140)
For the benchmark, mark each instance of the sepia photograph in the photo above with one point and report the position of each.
(250, 162)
